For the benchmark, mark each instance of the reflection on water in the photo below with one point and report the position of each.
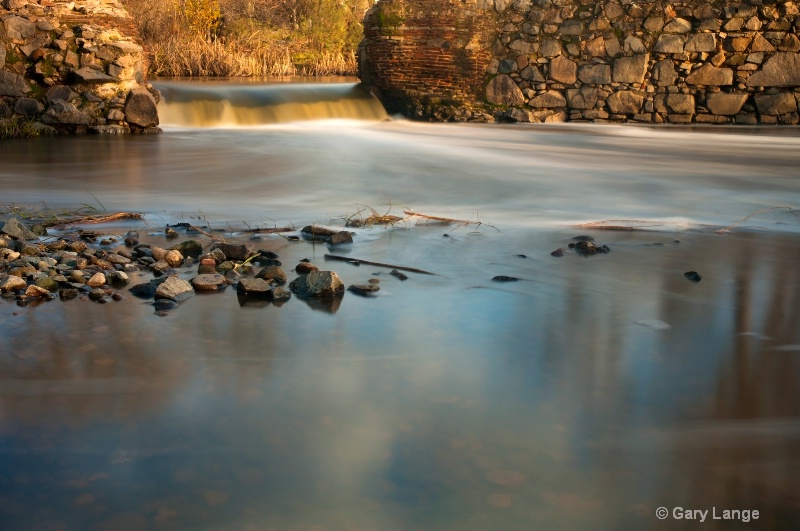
(448, 401)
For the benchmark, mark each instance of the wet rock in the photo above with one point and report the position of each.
(47, 283)
(586, 248)
(320, 233)
(364, 289)
(36, 292)
(397, 274)
(171, 233)
(281, 295)
(140, 108)
(254, 287)
(164, 305)
(208, 282)
(67, 294)
(318, 284)
(303, 268)
(693, 276)
(558, 253)
(342, 237)
(97, 294)
(174, 258)
(583, 238)
(174, 288)
(97, 280)
(272, 275)
(234, 251)
(504, 278)
(14, 228)
(190, 248)
(117, 279)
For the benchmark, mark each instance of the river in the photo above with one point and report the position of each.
(586, 395)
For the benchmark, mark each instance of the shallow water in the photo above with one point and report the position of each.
(584, 396)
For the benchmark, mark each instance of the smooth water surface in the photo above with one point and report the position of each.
(584, 396)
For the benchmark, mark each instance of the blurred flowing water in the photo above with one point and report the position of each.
(584, 396)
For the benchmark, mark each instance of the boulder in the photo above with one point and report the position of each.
(669, 43)
(675, 103)
(12, 283)
(88, 74)
(273, 275)
(318, 284)
(502, 90)
(776, 104)
(61, 112)
(625, 102)
(710, 75)
(175, 289)
(12, 84)
(563, 70)
(630, 69)
(663, 73)
(596, 74)
(14, 228)
(255, 287)
(208, 282)
(18, 28)
(140, 108)
(234, 251)
(549, 100)
(28, 107)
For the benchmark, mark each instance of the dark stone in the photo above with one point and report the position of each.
(281, 295)
(303, 268)
(254, 287)
(558, 253)
(97, 294)
(140, 109)
(364, 289)
(273, 275)
(60, 92)
(319, 284)
(234, 251)
(68, 293)
(146, 290)
(164, 305)
(28, 107)
(191, 248)
(586, 248)
(504, 278)
(693, 276)
(341, 237)
(583, 238)
(14, 228)
(397, 274)
(208, 282)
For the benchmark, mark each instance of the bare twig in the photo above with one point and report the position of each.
(92, 219)
(377, 264)
(412, 214)
(734, 224)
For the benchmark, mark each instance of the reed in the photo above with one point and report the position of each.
(18, 127)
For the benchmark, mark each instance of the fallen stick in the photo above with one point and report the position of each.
(378, 264)
(93, 219)
(735, 223)
(441, 219)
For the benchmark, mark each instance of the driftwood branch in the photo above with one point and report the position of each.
(378, 264)
(738, 222)
(440, 219)
(85, 220)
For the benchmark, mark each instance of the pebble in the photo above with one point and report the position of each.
(208, 282)
(364, 289)
(504, 278)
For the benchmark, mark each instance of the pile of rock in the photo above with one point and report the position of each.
(74, 67)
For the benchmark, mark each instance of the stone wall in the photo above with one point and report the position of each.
(654, 61)
(73, 67)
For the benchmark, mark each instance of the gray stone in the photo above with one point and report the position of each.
(532, 73)
(563, 70)
(625, 102)
(675, 103)
(701, 42)
(61, 112)
(281, 295)
(612, 46)
(507, 66)
(664, 73)
(582, 98)
(208, 282)
(597, 74)
(233, 251)
(318, 284)
(12, 85)
(254, 286)
(18, 28)
(140, 108)
(572, 27)
(175, 289)
(710, 75)
(5, 110)
(88, 74)
(549, 100)
(502, 90)
(634, 45)
(630, 69)
(14, 228)
(780, 70)
(669, 44)
(776, 104)
(60, 92)
(725, 104)
(550, 48)
(678, 25)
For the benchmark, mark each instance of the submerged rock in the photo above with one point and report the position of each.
(587, 248)
(208, 282)
(364, 289)
(14, 228)
(174, 288)
(693, 276)
(255, 287)
(504, 278)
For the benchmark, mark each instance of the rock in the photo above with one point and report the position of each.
(60, 92)
(397, 274)
(174, 288)
(254, 287)
(669, 44)
(170, 233)
(97, 294)
(675, 103)
(725, 104)
(14, 228)
(12, 84)
(563, 70)
(12, 283)
(693, 276)
(61, 112)
(191, 248)
(663, 73)
(319, 284)
(549, 100)
(502, 90)
(364, 289)
(583, 98)
(28, 107)
(709, 74)
(701, 42)
(341, 237)
(625, 102)
(630, 69)
(47, 283)
(305, 267)
(587, 248)
(599, 74)
(97, 280)
(234, 251)
(88, 74)
(281, 295)
(117, 279)
(164, 305)
(504, 278)
(174, 258)
(67, 294)
(678, 25)
(19, 28)
(775, 104)
(272, 275)
(208, 282)
(140, 108)
(36, 292)
(558, 253)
